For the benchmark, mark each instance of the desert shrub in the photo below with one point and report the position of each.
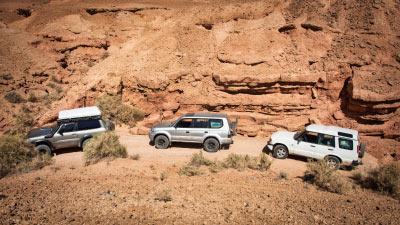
(90, 64)
(105, 55)
(57, 88)
(163, 195)
(14, 97)
(282, 175)
(357, 175)
(198, 159)
(241, 162)
(189, 171)
(163, 175)
(23, 123)
(385, 179)
(32, 98)
(6, 76)
(134, 157)
(55, 80)
(113, 108)
(17, 155)
(104, 145)
(319, 173)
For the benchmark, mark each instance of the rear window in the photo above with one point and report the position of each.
(345, 144)
(345, 134)
(88, 124)
(216, 123)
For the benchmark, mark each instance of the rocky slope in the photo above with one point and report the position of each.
(273, 64)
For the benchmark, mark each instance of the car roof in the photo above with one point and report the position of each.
(210, 115)
(333, 130)
(79, 112)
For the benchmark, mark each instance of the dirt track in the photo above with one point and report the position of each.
(125, 191)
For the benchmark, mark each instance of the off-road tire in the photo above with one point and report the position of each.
(280, 152)
(211, 145)
(161, 142)
(333, 162)
(363, 148)
(85, 142)
(43, 149)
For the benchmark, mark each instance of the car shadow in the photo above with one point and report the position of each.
(66, 150)
(187, 145)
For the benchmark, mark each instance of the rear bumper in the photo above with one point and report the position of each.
(226, 141)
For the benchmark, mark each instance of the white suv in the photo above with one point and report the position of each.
(336, 144)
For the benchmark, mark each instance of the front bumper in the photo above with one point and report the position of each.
(152, 134)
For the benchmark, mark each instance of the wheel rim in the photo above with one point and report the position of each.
(161, 142)
(332, 163)
(280, 152)
(211, 145)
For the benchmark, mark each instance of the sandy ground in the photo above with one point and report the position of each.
(127, 191)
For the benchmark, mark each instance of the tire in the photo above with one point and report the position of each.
(43, 149)
(85, 142)
(363, 148)
(333, 162)
(161, 142)
(211, 145)
(280, 152)
(109, 125)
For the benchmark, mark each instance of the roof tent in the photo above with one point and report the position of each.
(92, 111)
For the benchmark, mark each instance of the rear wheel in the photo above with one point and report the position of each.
(333, 162)
(161, 142)
(280, 152)
(43, 149)
(211, 145)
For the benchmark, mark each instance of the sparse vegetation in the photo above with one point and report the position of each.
(32, 98)
(190, 171)
(17, 155)
(105, 55)
(23, 123)
(241, 162)
(134, 157)
(282, 175)
(13, 97)
(104, 145)
(57, 88)
(319, 173)
(198, 160)
(163, 175)
(6, 76)
(163, 195)
(90, 63)
(385, 179)
(357, 176)
(55, 80)
(113, 108)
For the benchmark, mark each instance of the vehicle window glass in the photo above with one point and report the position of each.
(69, 127)
(184, 123)
(311, 137)
(345, 144)
(328, 140)
(216, 123)
(88, 124)
(200, 123)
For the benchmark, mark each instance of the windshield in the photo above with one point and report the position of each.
(299, 132)
(54, 127)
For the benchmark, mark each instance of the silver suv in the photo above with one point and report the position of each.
(74, 128)
(210, 129)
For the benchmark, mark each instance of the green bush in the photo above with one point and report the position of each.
(321, 174)
(14, 97)
(17, 155)
(385, 179)
(113, 108)
(104, 145)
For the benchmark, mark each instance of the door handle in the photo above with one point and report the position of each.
(312, 146)
(187, 132)
(330, 149)
(206, 132)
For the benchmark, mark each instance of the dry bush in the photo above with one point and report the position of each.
(163, 195)
(164, 175)
(14, 97)
(282, 175)
(32, 98)
(23, 123)
(241, 162)
(385, 179)
(357, 176)
(320, 174)
(113, 108)
(104, 145)
(198, 159)
(190, 171)
(17, 155)
(134, 157)
(6, 76)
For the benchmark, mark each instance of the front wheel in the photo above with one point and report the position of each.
(43, 149)
(84, 143)
(333, 162)
(211, 145)
(161, 142)
(280, 152)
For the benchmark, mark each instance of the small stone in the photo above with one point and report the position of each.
(338, 115)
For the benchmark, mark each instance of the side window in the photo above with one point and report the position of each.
(216, 123)
(88, 124)
(184, 123)
(310, 137)
(200, 123)
(68, 127)
(324, 139)
(345, 144)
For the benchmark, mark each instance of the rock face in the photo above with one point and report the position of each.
(272, 64)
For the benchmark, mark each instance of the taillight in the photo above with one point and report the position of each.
(358, 149)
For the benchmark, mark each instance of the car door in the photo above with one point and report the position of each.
(306, 144)
(66, 136)
(182, 130)
(200, 129)
(325, 146)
